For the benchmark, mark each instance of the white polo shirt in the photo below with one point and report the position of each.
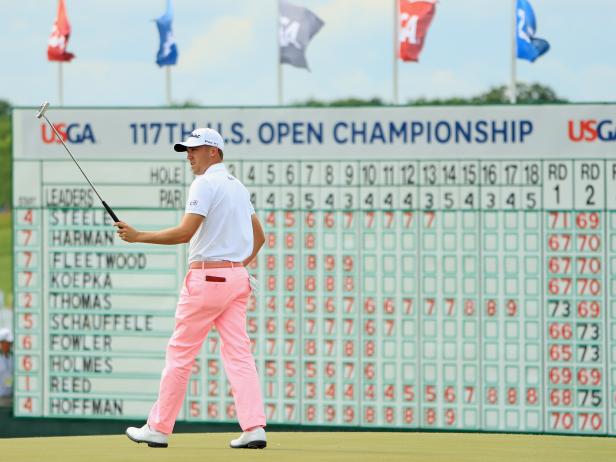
(226, 231)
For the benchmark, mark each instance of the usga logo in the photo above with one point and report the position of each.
(592, 130)
(70, 133)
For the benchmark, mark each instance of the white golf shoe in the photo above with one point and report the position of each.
(146, 435)
(250, 440)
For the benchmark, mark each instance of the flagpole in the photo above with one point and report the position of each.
(168, 84)
(60, 84)
(279, 80)
(279, 64)
(514, 56)
(396, 38)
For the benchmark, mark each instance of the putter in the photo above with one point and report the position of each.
(41, 114)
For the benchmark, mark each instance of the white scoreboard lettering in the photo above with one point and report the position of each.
(433, 268)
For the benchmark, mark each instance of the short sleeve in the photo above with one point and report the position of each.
(199, 198)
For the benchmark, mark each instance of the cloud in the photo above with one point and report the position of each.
(340, 14)
(354, 83)
(225, 42)
(449, 82)
(477, 10)
(438, 83)
(120, 84)
(597, 84)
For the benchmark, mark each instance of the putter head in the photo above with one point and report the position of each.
(42, 110)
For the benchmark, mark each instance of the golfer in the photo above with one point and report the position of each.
(225, 235)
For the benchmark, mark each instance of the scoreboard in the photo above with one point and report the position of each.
(424, 268)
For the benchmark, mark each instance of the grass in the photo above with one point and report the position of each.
(6, 257)
(318, 447)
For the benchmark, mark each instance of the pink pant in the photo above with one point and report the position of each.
(203, 304)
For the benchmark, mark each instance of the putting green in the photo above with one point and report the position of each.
(317, 447)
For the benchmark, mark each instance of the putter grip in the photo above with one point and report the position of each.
(110, 212)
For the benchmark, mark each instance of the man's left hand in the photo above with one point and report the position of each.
(126, 232)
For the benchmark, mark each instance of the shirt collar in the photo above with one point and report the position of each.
(216, 168)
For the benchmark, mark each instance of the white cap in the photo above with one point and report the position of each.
(5, 335)
(201, 137)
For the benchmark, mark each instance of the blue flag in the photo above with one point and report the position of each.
(529, 47)
(168, 50)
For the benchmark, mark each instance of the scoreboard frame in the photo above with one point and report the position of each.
(463, 259)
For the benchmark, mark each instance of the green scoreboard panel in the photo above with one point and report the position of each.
(433, 268)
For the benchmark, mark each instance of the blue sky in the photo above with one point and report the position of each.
(228, 52)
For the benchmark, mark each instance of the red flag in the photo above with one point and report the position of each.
(415, 18)
(61, 31)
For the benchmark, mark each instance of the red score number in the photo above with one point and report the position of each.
(560, 331)
(562, 353)
(589, 309)
(587, 220)
(559, 265)
(587, 376)
(559, 220)
(561, 397)
(588, 243)
(559, 242)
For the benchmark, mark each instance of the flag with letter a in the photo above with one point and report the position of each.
(58, 40)
(297, 27)
(415, 17)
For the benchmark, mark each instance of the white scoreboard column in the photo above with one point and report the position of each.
(108, 305)
(28, 280)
